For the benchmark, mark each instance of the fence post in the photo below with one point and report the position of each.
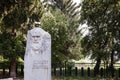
(60, 71)
(107, 71)
(3, 71)
(22, 72)
(76, 71)
(65, 71)
(88, 71)
(101, 72)
(70, 71)
(112, 72)
(119, 72)
(9, 70)
(82, 71)
(94, 72)
(54, 70)
(16, 69)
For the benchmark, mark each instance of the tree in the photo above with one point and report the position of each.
(64, 31)
(101, 16)
(11, 49)
(15, 15)
(72, 11)
(69, 9)
(58, 27)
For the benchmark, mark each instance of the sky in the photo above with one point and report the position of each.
(84, 27)
(77, 1)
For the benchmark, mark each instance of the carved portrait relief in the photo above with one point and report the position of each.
(36, 40)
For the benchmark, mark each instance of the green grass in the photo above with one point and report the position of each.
(68, 77)
(82, 78)
(72, 78)
(76, 78)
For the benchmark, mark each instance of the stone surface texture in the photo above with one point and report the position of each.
(37, 59)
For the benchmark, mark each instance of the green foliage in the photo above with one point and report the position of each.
(11, 48)
(70, 64)
(14, 19)
(102, 18)
(19, 13)
(19, 16)
(59, 28)
(68, 7)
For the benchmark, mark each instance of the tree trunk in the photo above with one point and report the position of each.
(111, 64)
(13, 68)
(97, 66)
(112, 60)
(13, 60)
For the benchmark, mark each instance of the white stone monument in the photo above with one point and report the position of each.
(37, 59)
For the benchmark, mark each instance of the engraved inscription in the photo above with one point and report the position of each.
(43, 64)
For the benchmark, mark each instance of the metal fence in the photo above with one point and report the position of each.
(86, 69)
(81, 71)
(75, 71)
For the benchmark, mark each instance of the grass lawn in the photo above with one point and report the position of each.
(82, 78)
(76, 78)
(72, 78)
(68, 77)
